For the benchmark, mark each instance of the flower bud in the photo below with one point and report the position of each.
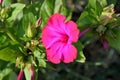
(31, 31)
(1, 1)
(4, 12)
(39, 21)
(107, 15)
(20, 75)
(19, 62)
(105, 44)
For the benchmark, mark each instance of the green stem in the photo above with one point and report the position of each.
(13, 39)
(11, 36)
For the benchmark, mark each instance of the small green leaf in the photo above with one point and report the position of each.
(3, 41)
(19, 30)
(5, 72)
(90, 16)
(92, 3)
(66, 12)
(28, 19)
(37, 53)
(18, 7)
(33, 8)
(8, 54)
(6, 3)
(81, 58)
(46, 10)
(58, 4)
(27, 73)
(40, 58)
(42, 63)
(13, 76)
(99, 8)
(114, 38)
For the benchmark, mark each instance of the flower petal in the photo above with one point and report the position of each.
(69, 53)
(72, 31)
(49, 37)
(54, 53)
(57, 21)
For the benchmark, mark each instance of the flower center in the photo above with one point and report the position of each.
(65, 38)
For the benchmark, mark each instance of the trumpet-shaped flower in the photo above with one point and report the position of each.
(57, 37)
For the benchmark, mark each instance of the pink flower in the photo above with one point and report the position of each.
(0, 1)
(57, 37)
(20, 75)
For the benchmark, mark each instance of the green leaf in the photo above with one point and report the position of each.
(27, 73)
(90, 15)
(80, 57)
(42, 63)
(40, 57)
(46, 10)
(28, 23)
(37, 53)
(86, 20)
(65, 11)
(36, 73)
(58, 4)
(19, 30)
(17, 12)
(6, 3)
(5, 72)
(92, 3)
(99, 8)
(4, 41)
(114, 39)
(50, 7)
(104, 2)
(13, 76)
(8, 54)
(28, 19)
(3, 64)
(33, 8)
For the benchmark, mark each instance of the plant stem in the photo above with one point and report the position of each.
(11, 36)
(83, 32)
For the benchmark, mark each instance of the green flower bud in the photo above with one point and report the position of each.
(107, 15)
(4, 12)
(31, 31)
(20, 62)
